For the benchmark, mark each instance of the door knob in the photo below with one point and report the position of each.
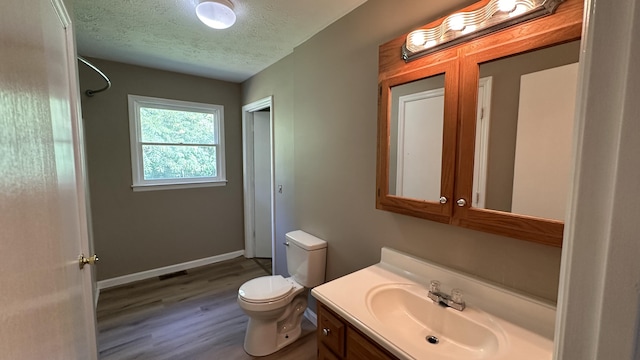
(443, 200)
(461, 202)
(326, 331)
(92, 260)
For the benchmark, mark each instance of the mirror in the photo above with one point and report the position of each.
(479, 134)
(524, 132)
(415, 139)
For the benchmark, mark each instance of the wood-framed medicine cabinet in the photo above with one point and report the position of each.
(479, 134)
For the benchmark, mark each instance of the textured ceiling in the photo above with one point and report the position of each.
(166, 34)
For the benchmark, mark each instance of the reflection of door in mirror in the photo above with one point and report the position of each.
(543, 146)
(530, 135)
(416, 136)
(480, 155)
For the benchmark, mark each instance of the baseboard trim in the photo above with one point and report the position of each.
(126, 279)
(311, 316)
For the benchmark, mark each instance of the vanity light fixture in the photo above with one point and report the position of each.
(491, 15)
(217, 14)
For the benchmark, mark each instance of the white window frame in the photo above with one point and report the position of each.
(137, 171)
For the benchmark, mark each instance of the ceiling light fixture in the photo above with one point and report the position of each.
(488, 16)
(217, 14)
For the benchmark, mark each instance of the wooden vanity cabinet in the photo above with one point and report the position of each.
(339, 340)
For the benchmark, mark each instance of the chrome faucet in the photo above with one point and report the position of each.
(453, 301)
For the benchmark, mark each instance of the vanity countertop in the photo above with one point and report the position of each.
(521, 327)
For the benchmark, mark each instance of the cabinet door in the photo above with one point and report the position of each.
(524, 186)
(417, 140)
(331, 330)
(361, 348)
(325, 354)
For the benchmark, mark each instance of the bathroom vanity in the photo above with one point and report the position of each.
(385, 312)
(338, 339)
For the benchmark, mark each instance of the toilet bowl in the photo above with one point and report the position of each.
(275, 304)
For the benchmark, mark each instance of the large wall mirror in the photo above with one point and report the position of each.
(480, 134)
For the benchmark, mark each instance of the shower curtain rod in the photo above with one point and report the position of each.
(90, 92)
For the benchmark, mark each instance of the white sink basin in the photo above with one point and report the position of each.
(416, 321)
(389, 303)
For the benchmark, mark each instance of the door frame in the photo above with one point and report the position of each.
(89, 284)
(249, 176)
(481, 153)
(80, 151)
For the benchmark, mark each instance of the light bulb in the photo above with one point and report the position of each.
(469, 29)
(430, 43)
(520, 9)
(456, 22)
(506, 5)
(417, 38)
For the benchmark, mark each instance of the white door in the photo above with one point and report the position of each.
(262, 183)
(258, 179)
(545, 127)
(46, 303)
(420, 128)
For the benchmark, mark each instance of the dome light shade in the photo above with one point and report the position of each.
(217, 14)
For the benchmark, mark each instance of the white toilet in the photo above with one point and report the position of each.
(275, 304)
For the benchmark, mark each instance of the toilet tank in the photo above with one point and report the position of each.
(306, 258)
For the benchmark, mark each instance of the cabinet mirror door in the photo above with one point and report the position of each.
(521, 123)
(417, 140)
(524, 132)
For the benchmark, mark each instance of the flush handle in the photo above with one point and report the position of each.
(92, 260)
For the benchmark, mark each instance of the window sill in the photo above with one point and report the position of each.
(155, 187)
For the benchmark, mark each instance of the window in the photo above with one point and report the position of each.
(175, 144)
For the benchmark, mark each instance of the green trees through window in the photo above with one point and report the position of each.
(175, 144)
(178, 144)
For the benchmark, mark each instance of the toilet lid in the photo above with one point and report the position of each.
(265, 289)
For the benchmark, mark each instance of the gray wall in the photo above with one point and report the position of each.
(277, 80)
(328, 88)
(138, 231)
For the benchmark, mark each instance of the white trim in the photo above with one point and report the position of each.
(135, 102)
(147, 187)
(481, 153)
(126, 279)
(248, 175)
(65, 19)
(598, 297)
(311, 316)
(88, 286)
(96, 297)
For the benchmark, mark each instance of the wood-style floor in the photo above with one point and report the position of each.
(191, 317)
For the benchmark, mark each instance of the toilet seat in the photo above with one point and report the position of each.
(265, 289)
